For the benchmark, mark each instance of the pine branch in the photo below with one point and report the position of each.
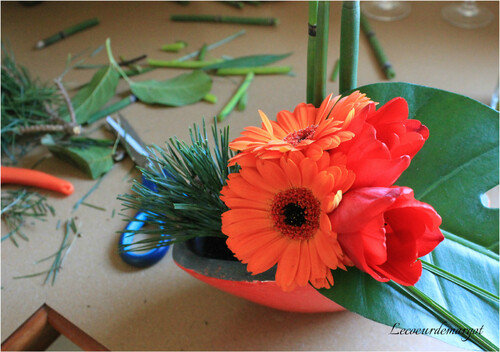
(188, 178)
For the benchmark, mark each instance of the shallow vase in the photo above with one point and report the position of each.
(208, 259)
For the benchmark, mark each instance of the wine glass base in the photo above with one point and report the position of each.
(470, 18)
(386, 10)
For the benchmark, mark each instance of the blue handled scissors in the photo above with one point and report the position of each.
(139, 154)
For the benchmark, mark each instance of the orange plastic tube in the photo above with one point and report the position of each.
(28, 177)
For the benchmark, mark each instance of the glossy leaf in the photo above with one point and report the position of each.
(94, 95)
(92, 156)
(247, 61)
(181, 90)
(457, 164)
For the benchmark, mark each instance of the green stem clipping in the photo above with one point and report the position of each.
(321, 53)
(384, 63)
(236, 97)
(311, 50)
(349, 45)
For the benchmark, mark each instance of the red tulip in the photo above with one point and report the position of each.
(385, 142)
(385, 230)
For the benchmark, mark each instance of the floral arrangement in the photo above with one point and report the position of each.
(371, 197)
(315, 193)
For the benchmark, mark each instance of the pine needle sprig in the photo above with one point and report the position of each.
(25, 102)
(189, 178)
(18, 206)
(58, 256)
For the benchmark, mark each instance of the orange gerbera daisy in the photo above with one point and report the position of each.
(278, 214)
(308, 129)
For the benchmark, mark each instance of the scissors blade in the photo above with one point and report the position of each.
(134, 146)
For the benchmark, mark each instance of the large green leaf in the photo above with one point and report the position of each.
(181, 90)
(92, 156)
(95, 95)
(458, 163)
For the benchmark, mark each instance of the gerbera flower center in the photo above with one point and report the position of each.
(296, 137)
(296, 212)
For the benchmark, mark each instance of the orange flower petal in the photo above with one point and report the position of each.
(326, 251)
(245, 247)
(309, 170)
(292, 171)
(288, 265)
(304, 268)
(245, 227)
(260, 262)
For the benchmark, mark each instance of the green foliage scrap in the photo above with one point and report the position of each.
(20, 205)
(92, 156)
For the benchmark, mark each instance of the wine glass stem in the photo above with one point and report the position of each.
(469, 8)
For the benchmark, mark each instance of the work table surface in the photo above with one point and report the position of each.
(162, 307)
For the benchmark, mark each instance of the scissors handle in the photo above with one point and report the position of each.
(29, 177)
(136, 258)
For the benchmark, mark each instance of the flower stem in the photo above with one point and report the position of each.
(182, 64)
(349, 45)
(258, 70)
(242, 103)
(311, 50)
(203, 52)
(210, 98)
(174, 47)
(236, 97)
(321, 53)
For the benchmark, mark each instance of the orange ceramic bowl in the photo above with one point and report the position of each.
(232, 277)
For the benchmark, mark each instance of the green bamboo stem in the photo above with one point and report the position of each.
(174, 47)
(236, 97)
(349, 46)
(335, 71)
(213, 45)
(112, 109)
(182, 64)
(384, 63)
(311, 50)
(258, 70)
(321, 53)
(262, 21)
(66, 33)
